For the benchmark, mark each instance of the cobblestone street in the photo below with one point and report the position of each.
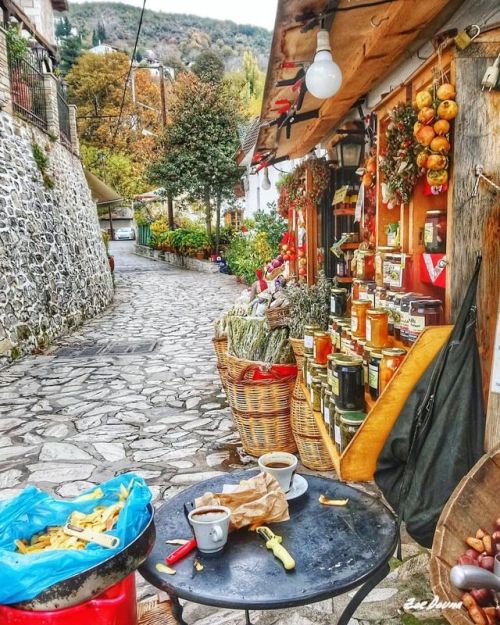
(81, 414)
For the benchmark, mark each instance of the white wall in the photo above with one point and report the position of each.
(256, 197)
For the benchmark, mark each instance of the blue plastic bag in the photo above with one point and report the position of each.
(23, 577)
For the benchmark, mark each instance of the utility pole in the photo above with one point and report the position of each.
(162, 95)
(111, 230)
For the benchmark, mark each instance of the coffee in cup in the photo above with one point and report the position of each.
(281, 465)
(210, 526)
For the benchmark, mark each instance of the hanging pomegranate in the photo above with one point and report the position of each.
(436, 161)
(442, 127)
(440, 145)
(425, 135)
(426, 115)
(448, 110)
(446, 92)
(423, 99)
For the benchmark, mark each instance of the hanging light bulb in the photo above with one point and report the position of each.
(266, 183)
(324, 76)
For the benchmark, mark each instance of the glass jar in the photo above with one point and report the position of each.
(313, 370)
(367, 354)
(392, 357)
(400, 270)
(380, 297)
(423, 313)
(348, 386)
(358, 317)
(343, 337)
(327, 400)
(374, 374)
(305, 366)
(380, 264)
(356, 284)
(350, 422)
(338, 301)
(396, 314)
(404, 323)
(435, 232)
(347, 344)
(336, 335)
(389, 307)
(336, 428)
(365, 265)
(360, 347)
(316, 394)
(377, 334)
(309, 338)
(367, 292)
(322, 347)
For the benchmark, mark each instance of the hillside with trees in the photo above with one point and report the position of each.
(174, 38)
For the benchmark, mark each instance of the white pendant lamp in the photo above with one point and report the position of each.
(324, 76)
(266, 183)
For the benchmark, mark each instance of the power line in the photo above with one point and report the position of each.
(122, 104)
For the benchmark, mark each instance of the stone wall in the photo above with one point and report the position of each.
(183, 262)
(54, 272)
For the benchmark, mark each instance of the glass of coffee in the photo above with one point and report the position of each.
(281, 465)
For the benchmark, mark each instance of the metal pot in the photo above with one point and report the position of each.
(94, 581)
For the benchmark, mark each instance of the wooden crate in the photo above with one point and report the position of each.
(474, 504)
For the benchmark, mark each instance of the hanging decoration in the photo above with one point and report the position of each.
(437, 108)
(291, 186)
(398, 162)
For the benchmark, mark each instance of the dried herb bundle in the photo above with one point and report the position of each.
(251, 339)
(308, 305)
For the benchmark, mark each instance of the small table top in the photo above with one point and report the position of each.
(335, 550)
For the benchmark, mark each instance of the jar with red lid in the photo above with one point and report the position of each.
(423, 313)
(435, 232)
(400, 269)
(365, 265)
(367, 292)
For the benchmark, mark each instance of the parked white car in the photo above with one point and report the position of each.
(124, 234)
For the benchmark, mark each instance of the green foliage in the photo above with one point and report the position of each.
(42, 162)
(160, 225)
(248, 82)
(209, 67)
(98, 34)
(247, 253)
(17, 46)
(273, 225)
(170, 34)
(63, 28)
(308, 305)
(69, 51)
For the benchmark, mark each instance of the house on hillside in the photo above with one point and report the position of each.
(103, 48)
(41, 13)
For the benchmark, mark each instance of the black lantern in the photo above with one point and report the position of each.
(350, 150)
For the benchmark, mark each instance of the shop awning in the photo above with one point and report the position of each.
(367, 43)
(101, 192)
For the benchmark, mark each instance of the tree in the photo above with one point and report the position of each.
(69, 51)
(209, 67)
(199, 143)
(249, 83)
(63, 28)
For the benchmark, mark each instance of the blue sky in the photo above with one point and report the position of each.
(256, 12)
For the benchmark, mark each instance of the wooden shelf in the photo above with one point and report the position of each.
(358, 462)
(342, 279)
(338, 212)
(349, 246)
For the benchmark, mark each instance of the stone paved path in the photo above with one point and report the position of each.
(70, 421)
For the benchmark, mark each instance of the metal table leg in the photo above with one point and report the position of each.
(177, 609)
(368, 586)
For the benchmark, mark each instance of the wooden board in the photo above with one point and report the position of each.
(473, 504)
(359, 460)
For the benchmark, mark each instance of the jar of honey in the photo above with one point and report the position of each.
(367, 292)
(322, 347)
(392, 357)
(377, 333)
(365, 265)
(358, 317)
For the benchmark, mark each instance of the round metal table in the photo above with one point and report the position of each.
(335, 549)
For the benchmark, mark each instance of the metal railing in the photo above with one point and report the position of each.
(27, 87)
(63, 109)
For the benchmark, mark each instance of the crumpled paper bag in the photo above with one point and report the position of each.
(256, 501)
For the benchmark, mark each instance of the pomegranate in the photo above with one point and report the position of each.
(427, 114)
(436, 161)
(422, 158)
(425, 135)
(440, 145)
(416, 127)
(446, 92)
(437, 177)
(371, 165)
(447, 110)
(423, 99)
(442, 127)
(367, 180)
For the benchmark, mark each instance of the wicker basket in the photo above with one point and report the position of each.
(298, 350)
(259, 396)
(223, 376)
(312, 450)
(220, 346)
(236, 366)
(278, 317)
(261, 434)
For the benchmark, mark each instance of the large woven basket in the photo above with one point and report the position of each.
(236, 366)
(312, 450)
(261, 434)
(259, 396)
(220, 347)
(278, 317)
(298, 350)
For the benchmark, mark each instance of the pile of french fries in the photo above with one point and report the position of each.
(102, 519)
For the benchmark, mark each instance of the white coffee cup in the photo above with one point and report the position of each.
(210, 525)
(281, 465)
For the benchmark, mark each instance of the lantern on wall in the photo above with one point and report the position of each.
(349, 151)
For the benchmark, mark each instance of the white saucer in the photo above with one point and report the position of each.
(298, 488)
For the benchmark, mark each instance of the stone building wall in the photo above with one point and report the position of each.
(54, 272)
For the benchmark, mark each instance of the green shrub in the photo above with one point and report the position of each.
(247, 253)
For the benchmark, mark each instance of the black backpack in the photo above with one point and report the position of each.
(439, 434)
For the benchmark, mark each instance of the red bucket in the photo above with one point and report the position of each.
(116, 606)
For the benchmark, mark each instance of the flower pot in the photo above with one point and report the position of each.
(111, 262)
(200, 255)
